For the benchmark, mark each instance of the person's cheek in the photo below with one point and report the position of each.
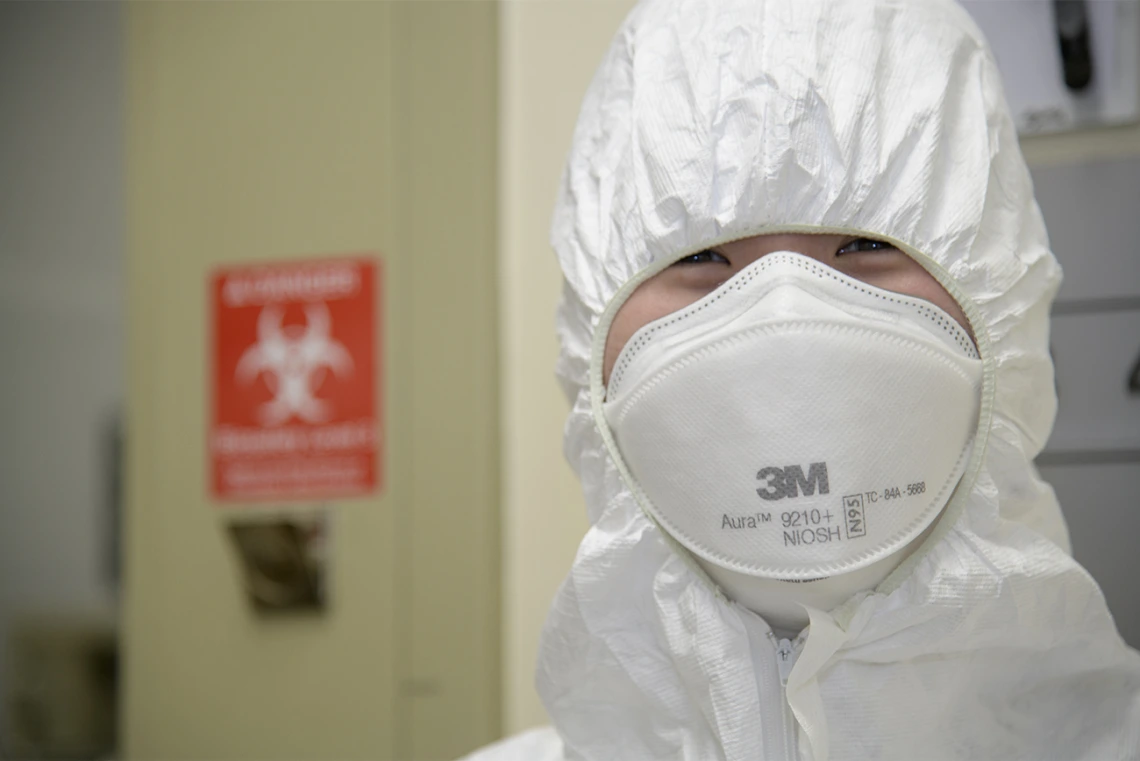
(652, 299)
(616, 339)
(924, 286)
(637, 311)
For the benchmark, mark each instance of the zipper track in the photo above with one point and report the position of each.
(786, 653)
(791, 751)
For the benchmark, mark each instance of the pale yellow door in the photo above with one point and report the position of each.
(278, 131)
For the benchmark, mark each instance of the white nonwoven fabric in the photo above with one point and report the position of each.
(713, 120)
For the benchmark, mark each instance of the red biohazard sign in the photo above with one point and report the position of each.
(295, 386)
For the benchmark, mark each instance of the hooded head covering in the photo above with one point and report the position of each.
(715, 120)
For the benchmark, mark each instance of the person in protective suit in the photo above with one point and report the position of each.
(804, 332)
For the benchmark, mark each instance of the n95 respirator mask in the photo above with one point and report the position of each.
(796, 423)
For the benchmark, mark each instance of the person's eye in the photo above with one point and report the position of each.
(708, 256)
(864, 244)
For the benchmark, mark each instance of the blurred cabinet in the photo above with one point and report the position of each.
(1092, 211)
(61, 703)
(1100, 503)
(1065, 64)
(270, 131)
(1097, 354)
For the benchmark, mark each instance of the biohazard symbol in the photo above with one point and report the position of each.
(295, 360)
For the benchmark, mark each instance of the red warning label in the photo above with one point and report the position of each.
(295, 381)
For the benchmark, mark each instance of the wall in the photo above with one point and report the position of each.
(549, 52)
(286, 131)
(61, 317)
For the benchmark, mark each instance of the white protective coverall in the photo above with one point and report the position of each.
(715, 120)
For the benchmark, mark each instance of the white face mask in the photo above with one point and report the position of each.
(796, 423)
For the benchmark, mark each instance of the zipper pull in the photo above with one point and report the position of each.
(785, 659)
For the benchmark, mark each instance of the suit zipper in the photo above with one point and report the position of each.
(787, 652)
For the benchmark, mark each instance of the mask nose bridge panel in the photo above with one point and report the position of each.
(768, 274)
